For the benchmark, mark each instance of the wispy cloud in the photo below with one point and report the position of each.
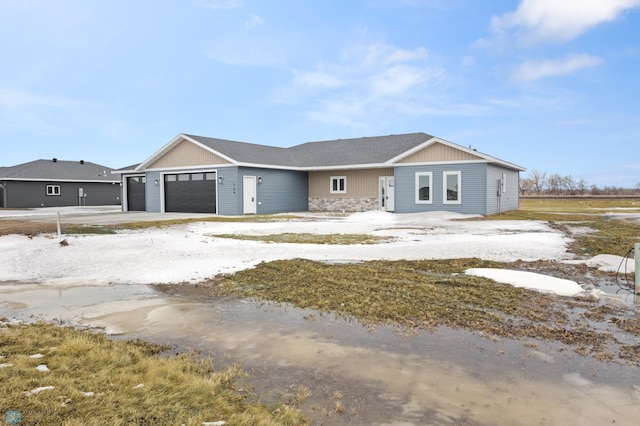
(384, 54)
(254, 21)
(369, 81)
(17, 99)
(553, 20)
(314, 79)
(535, 70)
(219, 4)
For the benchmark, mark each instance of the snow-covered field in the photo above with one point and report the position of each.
(190, 252)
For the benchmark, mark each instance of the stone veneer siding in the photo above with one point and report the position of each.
(343, 204)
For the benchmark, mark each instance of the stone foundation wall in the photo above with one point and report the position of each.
(343, 204)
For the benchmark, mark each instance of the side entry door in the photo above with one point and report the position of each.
(249, 193)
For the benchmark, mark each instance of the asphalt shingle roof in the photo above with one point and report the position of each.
(367, 150)
(58, 170)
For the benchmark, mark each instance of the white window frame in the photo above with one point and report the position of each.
(52, 190)
(458, 174)
(417, 188)
(337, 180)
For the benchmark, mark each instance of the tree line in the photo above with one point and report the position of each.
(539, 183)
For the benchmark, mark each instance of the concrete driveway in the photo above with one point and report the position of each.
(98, 215)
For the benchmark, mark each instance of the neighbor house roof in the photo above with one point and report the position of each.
(376, 151)
(58, 170)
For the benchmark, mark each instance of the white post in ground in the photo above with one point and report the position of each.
(636, 248)
(59, 233)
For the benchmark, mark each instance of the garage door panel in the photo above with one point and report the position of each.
(136, 193)
(190, 193)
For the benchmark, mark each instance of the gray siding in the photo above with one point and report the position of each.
(229, 191)
(281, 191)
(25, 194)
(473, 188)
(152, 192)
(508, 200)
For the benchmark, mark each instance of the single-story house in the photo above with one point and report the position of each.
(404, 173)
(57, 183)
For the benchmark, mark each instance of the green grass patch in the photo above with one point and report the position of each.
(409, 293)
(128, 381)
(308, 238)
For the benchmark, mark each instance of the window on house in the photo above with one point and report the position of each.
(424, 187)
(451, 188)
(53, 189)
(338, 185)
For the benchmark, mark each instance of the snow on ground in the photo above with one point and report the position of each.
(530, 280)
(191, 252)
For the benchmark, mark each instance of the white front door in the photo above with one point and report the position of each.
(387, 201)
(249, 195)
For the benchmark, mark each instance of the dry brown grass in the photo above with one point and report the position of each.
(98, 381)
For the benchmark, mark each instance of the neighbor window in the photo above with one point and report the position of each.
(451, 188)
(53, 189)
(424, 188)
(338, 185)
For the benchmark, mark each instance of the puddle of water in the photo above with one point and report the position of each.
(356, 375)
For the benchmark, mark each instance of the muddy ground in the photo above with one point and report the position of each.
(339, 371)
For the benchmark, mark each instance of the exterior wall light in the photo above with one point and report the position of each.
(259, 179)
(156, 181)
(220, 180)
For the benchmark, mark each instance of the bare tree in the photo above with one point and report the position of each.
(581, 186)
(538, 180)
(554, 182)
(526, 186)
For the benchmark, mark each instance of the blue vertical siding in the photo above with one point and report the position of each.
(152, 192)
(281, 191)
(473, 188)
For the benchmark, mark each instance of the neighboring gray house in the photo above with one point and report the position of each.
(405, 173)
(56, 183)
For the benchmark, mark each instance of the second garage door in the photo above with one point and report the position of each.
(190, 192)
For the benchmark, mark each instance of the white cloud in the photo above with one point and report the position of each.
(254, 21)
(317, 79)
(384, 54)
(534, 70)
(396, 80)
(219, 4)
(560, 20)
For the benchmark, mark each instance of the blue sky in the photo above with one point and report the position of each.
(546, 84)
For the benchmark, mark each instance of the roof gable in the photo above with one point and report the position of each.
(186, 153)
(438, 151)
(58, 170)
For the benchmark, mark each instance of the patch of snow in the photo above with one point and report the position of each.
(36, 356)
(38, 390)
(612, 263)
(530, 280)
(6, 365)
(43, 368)
(190, 252)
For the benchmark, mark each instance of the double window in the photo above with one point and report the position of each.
(338, 185)
(451, 187)
(53, 189)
